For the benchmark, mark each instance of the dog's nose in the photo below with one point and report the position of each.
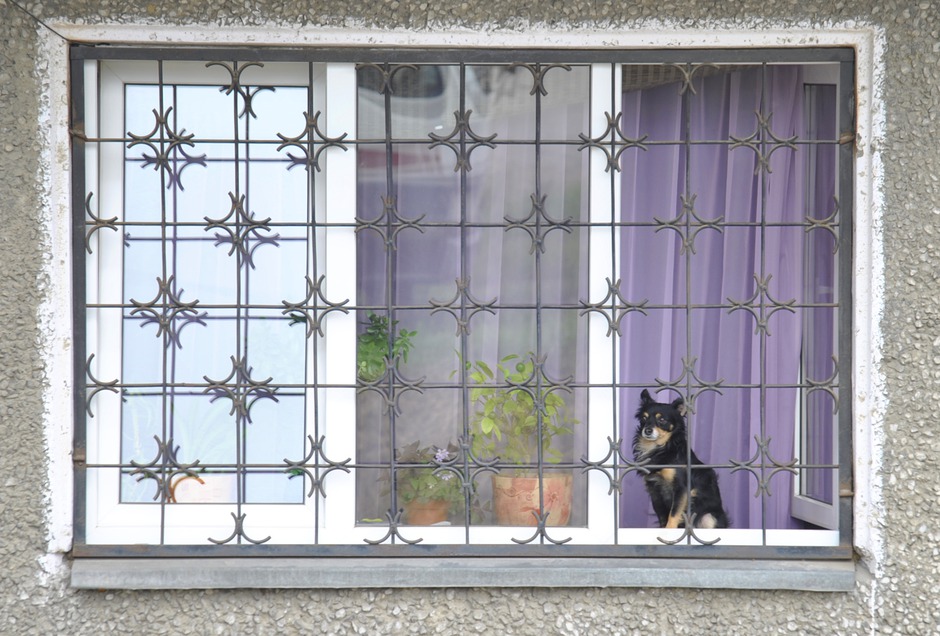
(648, 432)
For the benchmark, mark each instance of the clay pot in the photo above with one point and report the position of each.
(516, 498)
(426, 513)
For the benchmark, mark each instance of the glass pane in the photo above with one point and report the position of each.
(459, 242)
(738, 285)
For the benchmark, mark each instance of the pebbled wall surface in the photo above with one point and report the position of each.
(900, 598)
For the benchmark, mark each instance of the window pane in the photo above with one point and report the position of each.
(731, 260)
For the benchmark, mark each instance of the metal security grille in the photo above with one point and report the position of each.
(315, 285)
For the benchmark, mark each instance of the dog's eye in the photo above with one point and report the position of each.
(646, 416)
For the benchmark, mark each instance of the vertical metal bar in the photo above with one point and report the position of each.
(312, 262)
(537, 365)
(241, 322)
(687, 227)
(79, 342)
(165, 406)
(170, 352)
(245, 280)
(464, 333)
(391, 206)
(762, 370)
(846, 153)
(616, 106)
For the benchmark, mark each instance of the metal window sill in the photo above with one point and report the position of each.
(280, 573)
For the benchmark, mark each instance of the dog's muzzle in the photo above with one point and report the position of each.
(650, 432)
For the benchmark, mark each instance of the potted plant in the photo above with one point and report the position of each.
(505, 423)
(373, 349)
(373, 344)
(377, 344)
(427, 497)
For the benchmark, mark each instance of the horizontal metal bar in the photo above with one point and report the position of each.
(491, 55)
(533, 551)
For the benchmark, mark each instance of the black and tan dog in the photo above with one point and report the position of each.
(661, 440)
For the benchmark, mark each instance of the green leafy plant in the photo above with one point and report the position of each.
(373, 349)
(373, 344)
(417, 480)
(504, 419)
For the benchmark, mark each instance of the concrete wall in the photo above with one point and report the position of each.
(897, 596)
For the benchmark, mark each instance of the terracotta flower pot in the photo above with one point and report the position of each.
(426, 513)
(515, 499)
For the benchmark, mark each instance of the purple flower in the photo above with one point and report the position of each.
(442, 455)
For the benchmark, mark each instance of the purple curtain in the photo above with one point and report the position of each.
(689, 274)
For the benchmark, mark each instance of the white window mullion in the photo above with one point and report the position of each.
(603, 265)
(337, 359)
(107, 519)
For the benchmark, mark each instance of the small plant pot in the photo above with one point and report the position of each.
(515, 499)
(426, 513)
(204, 488)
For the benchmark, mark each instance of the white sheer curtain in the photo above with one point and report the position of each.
(493, 243)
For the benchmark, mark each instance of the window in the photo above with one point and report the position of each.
(324, 288)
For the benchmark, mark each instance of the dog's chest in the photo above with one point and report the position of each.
(662, 481)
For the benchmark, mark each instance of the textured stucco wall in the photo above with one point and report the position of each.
(34, 596)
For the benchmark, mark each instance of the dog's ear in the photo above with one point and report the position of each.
(645, 398)
(679, 405)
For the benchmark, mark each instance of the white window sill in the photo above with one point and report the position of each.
(230, 573)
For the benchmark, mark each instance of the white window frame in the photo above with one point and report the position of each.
(803, 506)
(108, 521)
